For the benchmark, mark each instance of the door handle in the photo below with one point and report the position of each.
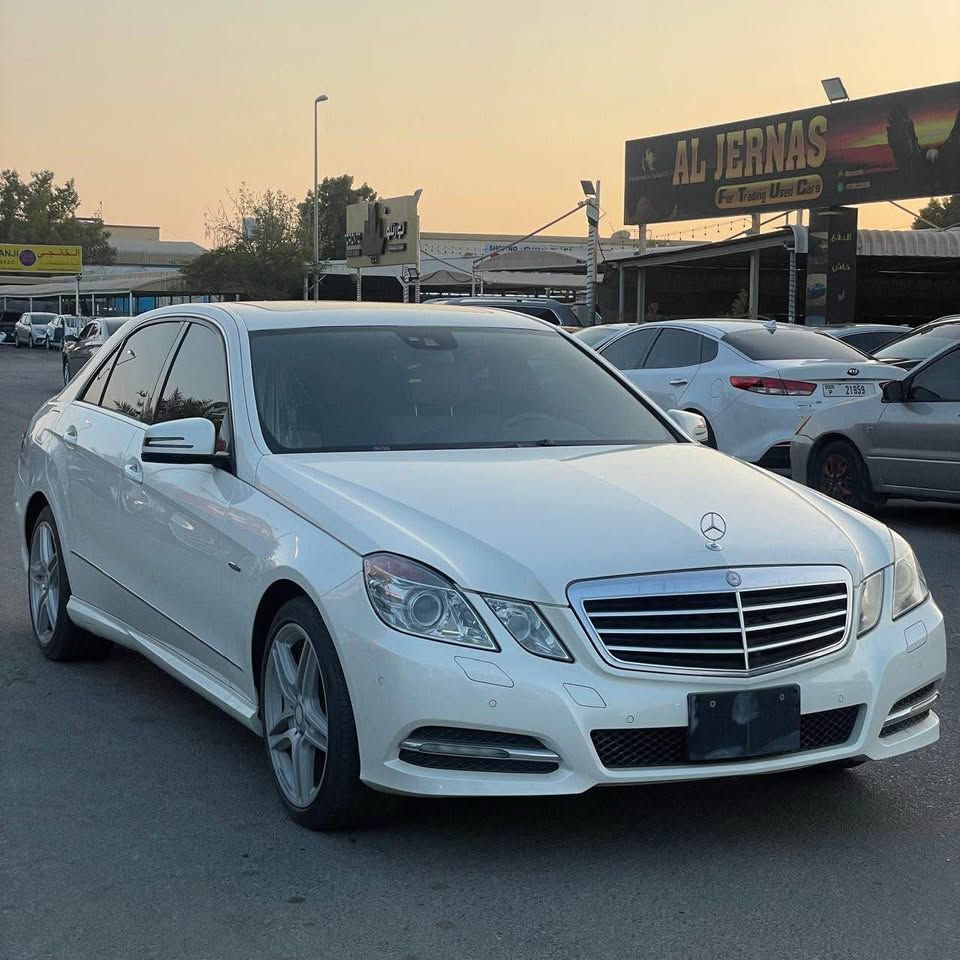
(133, 471)
(679, 383)
(70, 435)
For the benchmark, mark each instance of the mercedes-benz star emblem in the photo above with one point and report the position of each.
(734, 578)
(713, 526)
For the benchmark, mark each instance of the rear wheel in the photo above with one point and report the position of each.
(48, 590)
(839, 472)
(309, 731)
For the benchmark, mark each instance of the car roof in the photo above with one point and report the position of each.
(718, 327)
(291, 314)
(863, 328)
(494, 301)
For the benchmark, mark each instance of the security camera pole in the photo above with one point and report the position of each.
(593, 225)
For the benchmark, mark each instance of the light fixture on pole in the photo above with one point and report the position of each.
(316, 201)
(592, 193)
(834, 89)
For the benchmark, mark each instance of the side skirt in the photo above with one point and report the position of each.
(188, 672)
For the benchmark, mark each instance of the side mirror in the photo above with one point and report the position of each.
(192, 440)
(894, 391)
(691, 423)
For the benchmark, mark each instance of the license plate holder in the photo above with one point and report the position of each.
(844, 389)
(737, 725)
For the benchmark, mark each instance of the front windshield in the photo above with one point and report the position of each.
(922, 344)
(410, 388)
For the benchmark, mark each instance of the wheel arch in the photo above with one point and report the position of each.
(275, 596)
(35, 506)
(831, 437)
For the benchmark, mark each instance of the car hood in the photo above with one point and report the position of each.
(526, 522)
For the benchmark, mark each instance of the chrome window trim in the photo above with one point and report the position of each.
(711, 580)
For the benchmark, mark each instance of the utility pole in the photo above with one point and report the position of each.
(316, 200)
(593, 227)
(755, 270)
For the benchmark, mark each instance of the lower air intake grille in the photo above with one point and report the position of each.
(667, 746)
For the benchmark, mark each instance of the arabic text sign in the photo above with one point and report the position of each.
(382, 232)
(40, 258)
(891, 147)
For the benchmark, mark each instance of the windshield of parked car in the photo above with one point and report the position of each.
(41, 318)
(920, 344)
(409, 388)
(785, 343)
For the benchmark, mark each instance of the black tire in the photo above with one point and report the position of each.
(840, 473)
(342, 801)
(66, 373)
(67, 641)
(16, 341)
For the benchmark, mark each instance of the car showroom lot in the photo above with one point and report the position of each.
(139, 820)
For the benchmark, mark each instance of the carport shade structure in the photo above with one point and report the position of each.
(903, 276)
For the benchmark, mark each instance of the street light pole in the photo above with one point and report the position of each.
(316, 200)
(592, 192)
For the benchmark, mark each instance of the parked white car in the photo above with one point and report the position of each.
(753, 382)
(351, 528)
(31, 329)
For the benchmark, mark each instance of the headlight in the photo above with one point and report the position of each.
(528, 628)
(415, 599)
(871, 602)
(909, 583)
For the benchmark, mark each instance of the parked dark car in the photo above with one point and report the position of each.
(553, 311)
(90, 339)
(921, 343)
(868, 337)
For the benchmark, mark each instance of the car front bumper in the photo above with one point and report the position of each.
(400, 683)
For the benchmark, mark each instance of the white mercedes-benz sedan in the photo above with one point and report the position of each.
(449, 551)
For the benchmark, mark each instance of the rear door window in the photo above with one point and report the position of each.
(674, 348)
(137, 368)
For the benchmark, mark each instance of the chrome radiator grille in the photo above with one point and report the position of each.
(717, 621)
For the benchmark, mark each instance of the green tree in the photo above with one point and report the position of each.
(336, 194)
(257, 248)
(943, 211)
(39, 211)
(740, 307)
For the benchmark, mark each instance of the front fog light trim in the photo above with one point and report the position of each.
(525, 624)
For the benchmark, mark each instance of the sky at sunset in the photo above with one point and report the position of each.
(495, 108)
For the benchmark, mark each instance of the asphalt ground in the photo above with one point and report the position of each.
(138, 821)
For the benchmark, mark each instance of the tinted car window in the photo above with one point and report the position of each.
(400, 388)
(674, 348)
(786, 344)
(135, 371)
(197, 383)
(709, 348)
(628, 351)
(862, 341)
(90, 330)
(592, 336)
(940, 381)
(93, 391)
(920, 345)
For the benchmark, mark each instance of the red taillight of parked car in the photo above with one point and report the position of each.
(774, 386)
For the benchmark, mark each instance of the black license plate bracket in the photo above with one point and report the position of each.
(740, 724)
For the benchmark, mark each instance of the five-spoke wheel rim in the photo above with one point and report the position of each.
(44, 581)
(837, 477)
(295, 715)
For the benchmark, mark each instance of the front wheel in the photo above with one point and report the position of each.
(48, 591)
(840, 473)
(309, 731)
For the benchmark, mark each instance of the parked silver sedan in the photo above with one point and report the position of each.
(902, 442)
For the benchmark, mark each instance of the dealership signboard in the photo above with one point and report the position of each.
(894, 146)
(832, 267)
(383, 232)
(40, 258)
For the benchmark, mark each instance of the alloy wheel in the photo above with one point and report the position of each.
(295, 715)
(836, 477)
(44, 581)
